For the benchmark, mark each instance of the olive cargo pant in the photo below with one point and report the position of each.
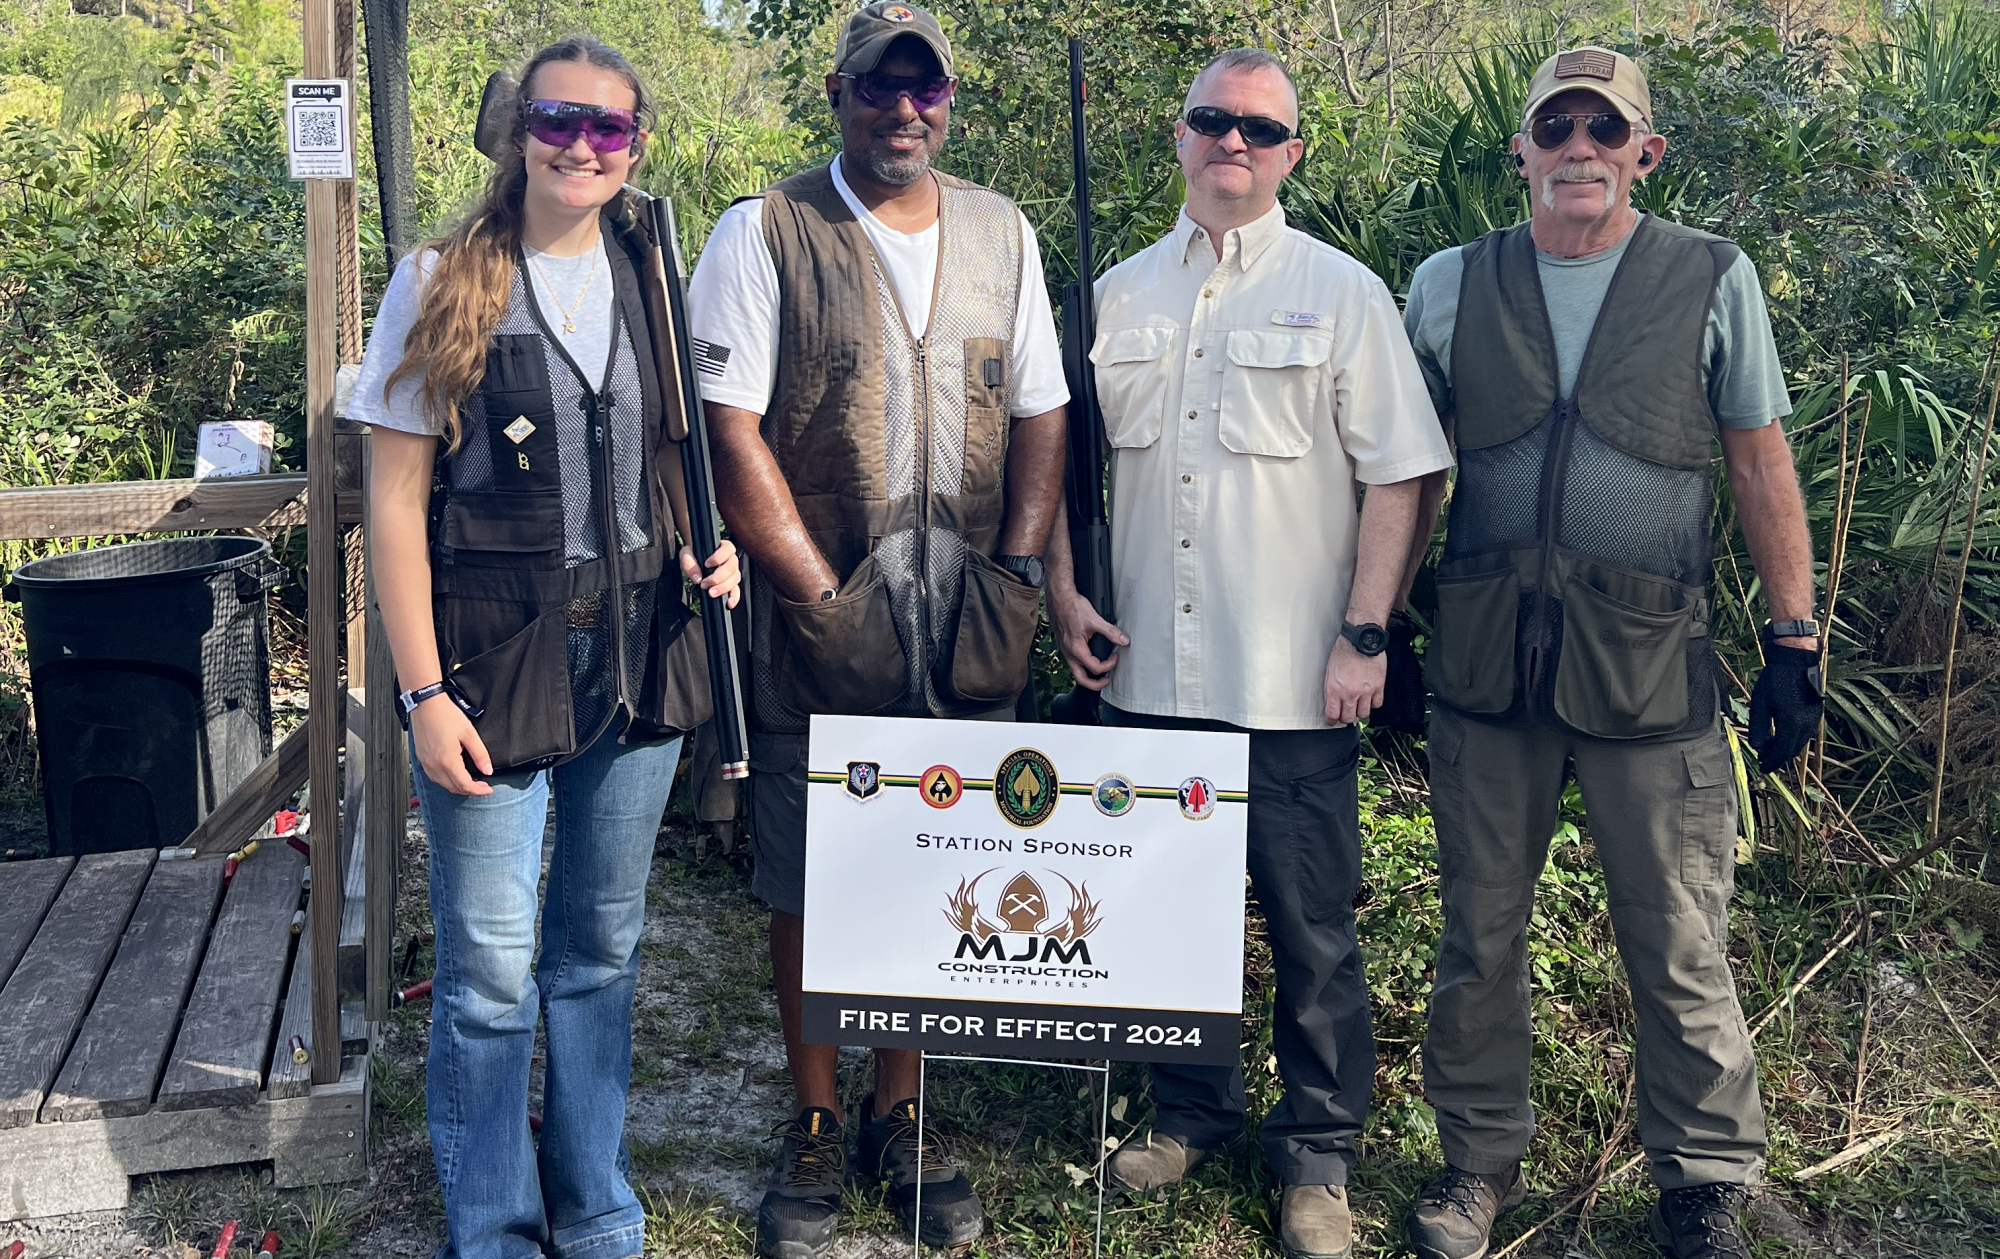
(1663, 818)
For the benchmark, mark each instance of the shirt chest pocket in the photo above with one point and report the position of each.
(1132, 383)
(1271, 391)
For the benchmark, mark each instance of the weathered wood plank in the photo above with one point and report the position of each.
(268, 788)
(94, 510)
(225, 1036)
(50, 991)
(117, 1058)
(26, 890)
(289, 1077)
(57, 1168)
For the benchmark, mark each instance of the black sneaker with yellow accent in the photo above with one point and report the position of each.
(797, 1217)
(951, 1214)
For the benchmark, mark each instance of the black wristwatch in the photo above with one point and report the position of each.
(1807, 628)
(1027, 567)
(1369, 639)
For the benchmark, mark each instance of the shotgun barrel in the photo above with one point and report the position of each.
(687, 424)
(1083, 481)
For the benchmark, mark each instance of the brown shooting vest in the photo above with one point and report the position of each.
(895, 450)
(1574, 588)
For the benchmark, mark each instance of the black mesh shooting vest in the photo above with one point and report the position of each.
(548, 535)
(1574, 587)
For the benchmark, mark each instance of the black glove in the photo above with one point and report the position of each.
(1402, 707)
(1785, 706)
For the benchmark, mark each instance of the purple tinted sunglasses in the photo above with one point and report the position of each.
(881, 91)
(558, 124)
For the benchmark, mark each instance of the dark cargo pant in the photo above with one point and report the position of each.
(1663, 818)
(1304, 850)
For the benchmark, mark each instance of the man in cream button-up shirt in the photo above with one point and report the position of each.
(1252, 379)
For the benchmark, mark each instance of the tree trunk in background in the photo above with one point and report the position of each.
(386, 25)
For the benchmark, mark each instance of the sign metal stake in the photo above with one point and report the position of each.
(1099, 1160)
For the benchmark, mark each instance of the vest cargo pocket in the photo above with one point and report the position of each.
(514, 522)
(845, 655)
(522, 684)
(986, 657)
(1622, 672)
(1470, 663)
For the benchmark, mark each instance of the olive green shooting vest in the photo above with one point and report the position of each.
(1574, 587)
(894, 447)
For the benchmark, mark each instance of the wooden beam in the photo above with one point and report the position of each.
(114, 507)
(269, 787)
(385, 809)
(325, 700)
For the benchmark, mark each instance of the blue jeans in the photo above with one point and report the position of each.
(503, 1197)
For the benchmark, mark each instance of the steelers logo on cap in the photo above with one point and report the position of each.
(899, 13)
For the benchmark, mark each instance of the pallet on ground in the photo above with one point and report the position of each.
(139, 1006)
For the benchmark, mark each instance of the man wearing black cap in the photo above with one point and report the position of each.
(1588, 362)
(886, 397)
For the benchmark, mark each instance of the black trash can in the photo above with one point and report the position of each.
(151, 670)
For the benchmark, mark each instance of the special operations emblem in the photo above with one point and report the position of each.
(1025, 788)
(940, 786)
(1113, 795)
(1197, 796)
(864, 779)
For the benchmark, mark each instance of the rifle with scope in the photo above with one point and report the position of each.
(1083, 481)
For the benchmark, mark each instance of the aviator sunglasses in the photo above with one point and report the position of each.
(1552, 131)
(1258, 132)
(558, 124)
(881, 91)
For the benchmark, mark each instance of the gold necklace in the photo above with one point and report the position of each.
(569, 320)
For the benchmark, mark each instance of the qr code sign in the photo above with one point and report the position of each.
(316, 129)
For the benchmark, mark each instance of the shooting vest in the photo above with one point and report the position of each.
(548, 528)
(1574, 587)
(894, 447)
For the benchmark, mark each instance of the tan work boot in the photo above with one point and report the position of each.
(1156, 1159)
(1315, 1222)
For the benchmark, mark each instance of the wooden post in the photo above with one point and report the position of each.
(326, 698)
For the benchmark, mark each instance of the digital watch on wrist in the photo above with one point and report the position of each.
(1369, 639)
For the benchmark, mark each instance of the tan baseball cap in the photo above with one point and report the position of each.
(1612, 75)
(869, 32)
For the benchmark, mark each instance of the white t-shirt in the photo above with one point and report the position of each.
(556, 284)
(733, 307)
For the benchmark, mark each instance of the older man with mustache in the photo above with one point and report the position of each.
(880, 368)
(1586, 363)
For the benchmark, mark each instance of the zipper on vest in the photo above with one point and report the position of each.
(1555, 471)
(924, 506)
(597, 411)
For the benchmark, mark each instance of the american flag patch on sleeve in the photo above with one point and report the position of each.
(710, 359)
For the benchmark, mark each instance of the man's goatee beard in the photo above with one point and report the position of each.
(898, 170)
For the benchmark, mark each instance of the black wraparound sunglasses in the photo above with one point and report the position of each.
(1257, 131)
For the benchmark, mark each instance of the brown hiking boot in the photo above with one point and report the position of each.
(1152, 1161)
(1315, 1222)
(1454, 1215)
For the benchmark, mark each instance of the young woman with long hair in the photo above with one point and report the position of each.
(523, 503)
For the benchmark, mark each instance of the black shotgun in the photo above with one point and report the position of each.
(687, 424)
(1083, 482)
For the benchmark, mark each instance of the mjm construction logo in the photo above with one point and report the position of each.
(1022, 911)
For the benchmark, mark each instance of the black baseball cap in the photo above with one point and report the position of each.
(868, 33)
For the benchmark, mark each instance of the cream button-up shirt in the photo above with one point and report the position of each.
(1243, 399)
